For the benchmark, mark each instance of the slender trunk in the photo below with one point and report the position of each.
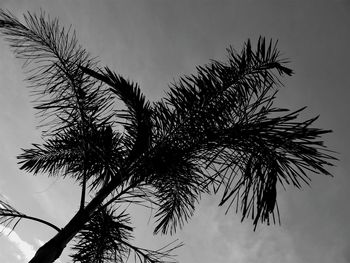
(52, 249)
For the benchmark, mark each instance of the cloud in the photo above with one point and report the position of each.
(26, 249)
(39, 242)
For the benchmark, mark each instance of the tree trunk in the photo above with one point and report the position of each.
(49, 252)
(52, 249)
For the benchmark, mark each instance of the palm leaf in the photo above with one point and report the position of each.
(97, 153)
(9, 216)
(137, 116)
(106, 238)
(177, 184)
(50, 157)
(223, 117)
(52, 56)
(100, 240)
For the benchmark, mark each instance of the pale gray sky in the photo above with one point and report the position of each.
(154, 42)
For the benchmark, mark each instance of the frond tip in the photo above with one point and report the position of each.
(52, 56)
(9, 216)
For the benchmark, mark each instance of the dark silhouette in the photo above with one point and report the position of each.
(214, 132)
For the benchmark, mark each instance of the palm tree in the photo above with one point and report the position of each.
(215, 132)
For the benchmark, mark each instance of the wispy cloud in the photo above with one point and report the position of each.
(24, 247)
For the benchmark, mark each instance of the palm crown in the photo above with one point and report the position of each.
(216, 131)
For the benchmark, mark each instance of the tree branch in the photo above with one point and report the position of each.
(43, 222)
(21, 216)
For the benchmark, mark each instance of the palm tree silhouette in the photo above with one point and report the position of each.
(217, 131)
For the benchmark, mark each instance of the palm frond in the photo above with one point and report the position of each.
(9, 216)
(162, 255)
(97, 153)
(200, 105)
(52, 56)
(106, 238)
(132, 194)
(234, 82)
(137, 116)
(264, 151)
(48, 158)
(259, 151)
(177, 186)
(223, 119)
(99, 241)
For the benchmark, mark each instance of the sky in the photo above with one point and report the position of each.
(155, 42)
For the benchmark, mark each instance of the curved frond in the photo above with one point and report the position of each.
(264, 151)
(9, 216)
(137, 116)
(199, 106)
(52, 56)
(233, 82)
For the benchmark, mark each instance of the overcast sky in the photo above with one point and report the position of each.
(155, 42)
